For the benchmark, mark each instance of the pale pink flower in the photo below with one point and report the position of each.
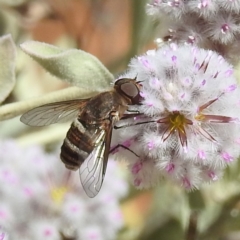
(191, 128)
(3, 235)
(212, 24)
(41, 199)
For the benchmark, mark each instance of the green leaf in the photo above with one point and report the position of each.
(7, 66)
(13, 2)
(74, 66)
(171, 230)
(228, 220)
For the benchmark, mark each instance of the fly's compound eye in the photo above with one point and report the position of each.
(129, 88)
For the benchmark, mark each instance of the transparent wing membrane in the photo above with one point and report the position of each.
(93, 169)
(53, 113)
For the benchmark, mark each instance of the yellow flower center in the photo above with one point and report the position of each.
(177, 122)
(58, 194)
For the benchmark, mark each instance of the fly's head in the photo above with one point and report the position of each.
(129, 89)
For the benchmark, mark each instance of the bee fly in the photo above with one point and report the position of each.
(87, 144)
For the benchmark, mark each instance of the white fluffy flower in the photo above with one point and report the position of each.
(44, 229)
(190, 127)
(3, 235)
(40, 199)
(212, 24)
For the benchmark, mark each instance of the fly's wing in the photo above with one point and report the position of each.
(92, 170)
(54, 112)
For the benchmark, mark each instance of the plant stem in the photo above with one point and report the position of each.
(191, 233)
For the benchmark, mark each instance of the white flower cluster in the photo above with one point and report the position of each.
(3, 235)
(189, 129)
(211, 24)
(40, 199)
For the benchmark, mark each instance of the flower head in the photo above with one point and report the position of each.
(40, 199)
(3, 235)
(205, 23)
(189, 127)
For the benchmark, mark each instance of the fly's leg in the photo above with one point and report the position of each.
(115, 148)
(133, 124)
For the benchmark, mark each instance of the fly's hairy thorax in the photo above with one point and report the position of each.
(100, 107)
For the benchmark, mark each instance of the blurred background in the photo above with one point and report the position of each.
(113, 31)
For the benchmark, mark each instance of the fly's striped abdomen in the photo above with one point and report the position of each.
(78, 144)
